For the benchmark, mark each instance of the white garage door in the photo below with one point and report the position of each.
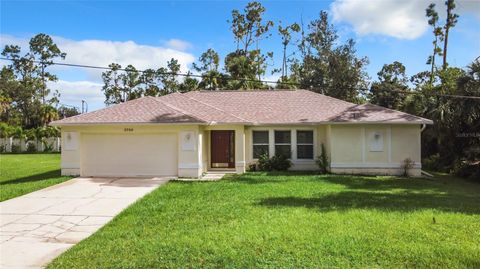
(129, 155)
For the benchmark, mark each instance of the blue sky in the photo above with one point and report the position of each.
(148, 33)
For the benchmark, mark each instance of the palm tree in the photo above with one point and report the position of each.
(48, 114)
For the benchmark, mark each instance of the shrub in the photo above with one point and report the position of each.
(47, 147)
(2, 148)
(467, 169)
(31, 148)
(5, 130)
(322, 161)
(252, 167)
(15, 148)
(407, 165)
(433, 163)
(279, 162)
(264, 163)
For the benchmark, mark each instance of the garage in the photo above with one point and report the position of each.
(132, 155)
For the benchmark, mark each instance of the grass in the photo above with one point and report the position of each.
(292, 220)
(24, 173)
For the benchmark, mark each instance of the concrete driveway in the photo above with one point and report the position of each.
(39, 226)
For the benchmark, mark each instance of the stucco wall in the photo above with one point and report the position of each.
(348, 146)
(189, 161)
(353, 152)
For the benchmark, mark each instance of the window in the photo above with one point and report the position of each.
(305, 145)
(283, 143)
(260, 143)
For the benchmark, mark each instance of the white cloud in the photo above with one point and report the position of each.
(73, 92)
(178, 44)
(104, 52)
(400, 19)
(76, 84)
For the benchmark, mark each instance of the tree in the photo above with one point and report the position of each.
(468, 113)
(245, 65)
(438, 36)
(131, 80)
(243, 70)
(112, 88)
(286, 35)
(149, 80)
(188, 84)
(207, 65)
(48, 114)
(168, 77)
(249, 27)
(23, 81)
(389, 90)
(451, 21)
(43, 49)
(65, 112)
(327, 66)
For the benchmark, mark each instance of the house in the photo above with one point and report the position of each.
(187, 134)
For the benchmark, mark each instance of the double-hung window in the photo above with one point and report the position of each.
(260, 143)
(304, 144)
(283, 143)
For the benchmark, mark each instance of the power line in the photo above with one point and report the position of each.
(162, 73)
(230, 78)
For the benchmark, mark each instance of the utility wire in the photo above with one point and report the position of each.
(162, 73)
(230, 78)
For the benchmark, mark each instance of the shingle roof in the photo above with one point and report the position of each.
(243, 107)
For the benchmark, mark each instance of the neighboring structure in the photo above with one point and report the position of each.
(187, 134)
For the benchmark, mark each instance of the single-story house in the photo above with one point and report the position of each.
(188, 134)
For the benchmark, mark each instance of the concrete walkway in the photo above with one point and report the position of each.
(39, 226)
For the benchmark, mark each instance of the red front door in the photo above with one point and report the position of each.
(223, 149)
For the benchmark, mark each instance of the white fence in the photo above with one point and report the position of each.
(7, 144)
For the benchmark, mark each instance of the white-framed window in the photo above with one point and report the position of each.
(260, 143)
(283, 142)
(305, 144)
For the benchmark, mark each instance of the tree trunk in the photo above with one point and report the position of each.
(432, 76)
(445, 43)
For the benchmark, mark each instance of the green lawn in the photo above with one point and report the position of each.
(24, 173)
(292, 221)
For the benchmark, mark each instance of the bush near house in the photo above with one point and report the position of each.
(278, 162)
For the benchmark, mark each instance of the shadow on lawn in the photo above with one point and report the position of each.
(271, 177)
(36, 177)
(405, 201)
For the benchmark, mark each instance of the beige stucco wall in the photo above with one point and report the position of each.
(189, 161)
(347, 146)
(352, 152)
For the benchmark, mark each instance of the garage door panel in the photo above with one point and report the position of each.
(129, 155)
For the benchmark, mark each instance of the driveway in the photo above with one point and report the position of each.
(39, 226)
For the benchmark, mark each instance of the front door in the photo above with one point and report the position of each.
(223, 149)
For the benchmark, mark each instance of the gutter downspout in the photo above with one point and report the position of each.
(423, 127)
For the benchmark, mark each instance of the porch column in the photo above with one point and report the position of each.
(240, 149)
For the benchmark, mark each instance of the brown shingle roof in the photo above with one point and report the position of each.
(243, 107)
